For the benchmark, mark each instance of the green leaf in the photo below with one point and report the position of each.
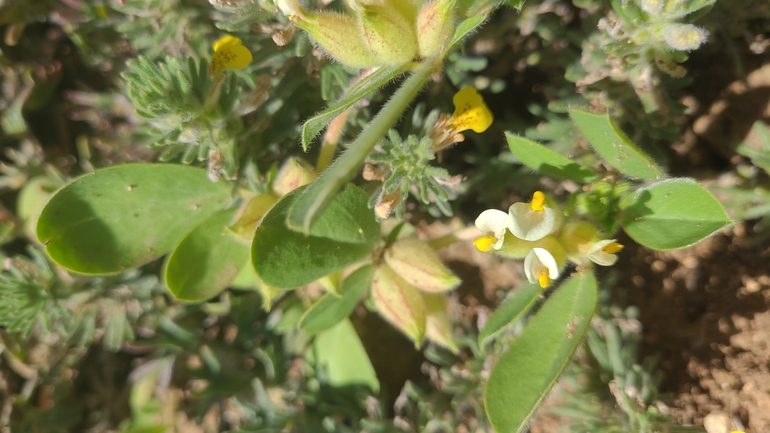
(467, 26)
(613, 145)
(509, 311)
(320, 193)
(342, 235)
(363, 88)
(331, 309)
(524, 375)
(341, 355)
(672, 214)
(122, 217)
(538, 157)
(206, 261)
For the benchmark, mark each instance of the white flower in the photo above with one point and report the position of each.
(603, 252)
(531, 221)
(493, 223)
(540, 267)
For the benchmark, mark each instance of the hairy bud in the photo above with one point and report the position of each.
(388, 30)
(293, 174)
(340, 36)
(684, 37)
(435, 25)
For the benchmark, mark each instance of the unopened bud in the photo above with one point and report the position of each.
(684, 37)
(435, 25)
(652, 7)
(417, 263)
(438, 326)
(399, 303)
(250, 215)
(293, 174)
(339, 36)
(389, 30)
(386, 203)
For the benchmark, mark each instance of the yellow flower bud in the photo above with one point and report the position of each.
(417, 263)
(399, 303)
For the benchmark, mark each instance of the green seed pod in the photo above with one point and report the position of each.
(339, 36)
(389, 30)
(435, 26)
(293, 174)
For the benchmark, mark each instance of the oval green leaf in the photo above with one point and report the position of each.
(343, 234)
(332, 309)
(122, 217)
(509, 311)
(544, 160)
(206, 261)
(524, 375)
(341, 355)
(672, 214)
(614, 146)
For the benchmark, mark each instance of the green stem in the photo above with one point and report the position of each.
(320, 193)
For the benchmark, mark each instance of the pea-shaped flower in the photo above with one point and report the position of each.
(229, 52)
(540, 267)
(493, 224)
(603, 252)
(531, 221)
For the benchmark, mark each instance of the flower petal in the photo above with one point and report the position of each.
(530, 225)
(470, 111)
(493, 222)
(229, 52)
(598, 255)
(540, 267)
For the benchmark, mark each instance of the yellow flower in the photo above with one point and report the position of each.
(493, 224)
(229, 52)
(470, 111)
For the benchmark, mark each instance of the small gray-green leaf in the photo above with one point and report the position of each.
(672, 214)
(122, 217)
(332, 309)
(524, 375)
(363, 88)
(509, 311)
(342, 235)
(206, 260)
(341, 355)
(538, 157)
(613, 145)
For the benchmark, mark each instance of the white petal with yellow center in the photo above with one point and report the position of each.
(600, 256)
(528, 224)
(493, 223)
(540, 267)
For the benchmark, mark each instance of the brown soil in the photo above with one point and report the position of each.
(705, 315)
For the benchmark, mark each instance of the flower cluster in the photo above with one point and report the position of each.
(536, 232)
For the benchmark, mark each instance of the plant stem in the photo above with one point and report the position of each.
(321, 192)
